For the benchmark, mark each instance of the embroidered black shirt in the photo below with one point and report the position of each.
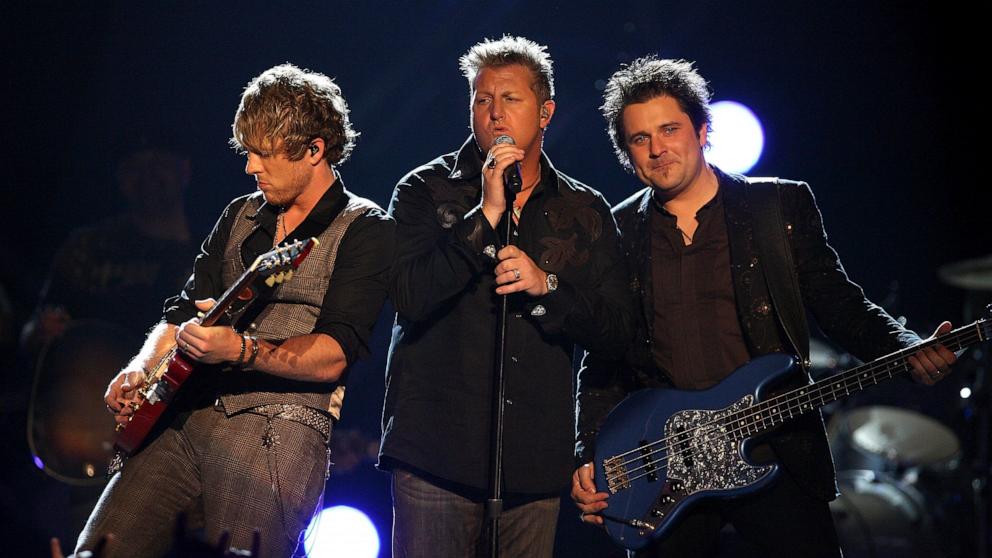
(439, 378)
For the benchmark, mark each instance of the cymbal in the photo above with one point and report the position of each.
(822, 356)
(974, 274)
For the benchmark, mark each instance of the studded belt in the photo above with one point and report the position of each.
(308, 416)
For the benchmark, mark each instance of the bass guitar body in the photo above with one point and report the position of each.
(667, 449)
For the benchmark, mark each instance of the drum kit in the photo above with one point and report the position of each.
(914, 480)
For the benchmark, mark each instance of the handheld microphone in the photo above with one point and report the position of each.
(511, 176)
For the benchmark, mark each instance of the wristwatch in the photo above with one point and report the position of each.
(552, 282)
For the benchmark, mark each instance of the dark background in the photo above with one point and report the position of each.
(873, 103)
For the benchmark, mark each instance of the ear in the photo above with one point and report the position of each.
(315, 151)
(547, 111)
(701, 134)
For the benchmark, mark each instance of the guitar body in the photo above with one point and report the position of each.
(660, 451)
(152, 402)
(173, 369)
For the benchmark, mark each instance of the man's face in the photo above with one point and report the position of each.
(503, 103)
(664, 147)
(280, 180)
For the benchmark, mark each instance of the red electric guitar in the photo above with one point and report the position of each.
(172, 370)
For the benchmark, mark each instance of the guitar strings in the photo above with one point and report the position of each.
(745, 419)
(702, 439)
(694, 442)
(963, 333)
(818, 391)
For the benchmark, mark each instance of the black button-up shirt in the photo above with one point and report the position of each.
(697, 336)
(439, 378)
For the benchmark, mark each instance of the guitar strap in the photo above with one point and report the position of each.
(779, 268)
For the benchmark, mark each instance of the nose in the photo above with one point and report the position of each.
(496, 110)
(254, 164)
(657, 146)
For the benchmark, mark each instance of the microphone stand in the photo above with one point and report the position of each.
(494, 504)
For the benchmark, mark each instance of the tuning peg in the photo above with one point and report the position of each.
(270, 280)
(289, 275)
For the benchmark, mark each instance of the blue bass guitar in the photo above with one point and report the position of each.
(662, 450)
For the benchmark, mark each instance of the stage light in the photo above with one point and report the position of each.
(38, 462)
(965, 392)
(339, 532)
(736, 139)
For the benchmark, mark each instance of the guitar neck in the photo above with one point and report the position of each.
(781, 408)
(241, 289)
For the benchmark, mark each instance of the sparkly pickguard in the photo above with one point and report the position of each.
(706, 452)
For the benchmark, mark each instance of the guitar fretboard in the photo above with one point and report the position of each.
(775, 411)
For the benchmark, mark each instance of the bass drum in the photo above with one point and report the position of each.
(70, 432)
(877, 516)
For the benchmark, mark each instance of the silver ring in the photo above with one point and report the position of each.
(516, 274)
(492, 162)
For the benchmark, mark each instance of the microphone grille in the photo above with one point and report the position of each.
(504, 139)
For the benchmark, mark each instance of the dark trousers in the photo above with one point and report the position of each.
(783, 521)
(430, 521)
(232, 474)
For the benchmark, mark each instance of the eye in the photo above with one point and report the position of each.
(669, 130)
(639, 139)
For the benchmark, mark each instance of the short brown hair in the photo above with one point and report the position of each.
(508, 51)
(647, 78)
(286, 108)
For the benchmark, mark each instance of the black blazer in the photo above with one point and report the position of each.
(838, 306)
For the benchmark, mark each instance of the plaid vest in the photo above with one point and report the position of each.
(292, 309)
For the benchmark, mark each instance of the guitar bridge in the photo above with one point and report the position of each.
(616, 474)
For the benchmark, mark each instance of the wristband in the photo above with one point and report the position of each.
(254, 350)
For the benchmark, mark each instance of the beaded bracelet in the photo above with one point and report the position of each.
(241, 356)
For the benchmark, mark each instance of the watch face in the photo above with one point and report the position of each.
(552, 282)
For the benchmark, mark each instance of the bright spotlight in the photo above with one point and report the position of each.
(965, 392)
(737, 139)
(339, 532)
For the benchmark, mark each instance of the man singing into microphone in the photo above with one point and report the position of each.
(563, 272)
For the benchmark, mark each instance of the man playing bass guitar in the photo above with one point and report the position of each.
(243, 446)
(713, 296)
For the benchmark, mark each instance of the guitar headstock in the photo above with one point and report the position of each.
(278, 265)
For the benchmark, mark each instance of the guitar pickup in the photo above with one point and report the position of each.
(159, 391)
(616, 475)
(650, 470)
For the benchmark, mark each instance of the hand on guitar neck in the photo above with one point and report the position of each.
(931, 364)
(209, 345)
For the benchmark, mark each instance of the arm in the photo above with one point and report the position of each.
(314, 357)
(840, 306)
(595, 309)
(122, 388)
(433, 263)
(837, 303)
(341, 334)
